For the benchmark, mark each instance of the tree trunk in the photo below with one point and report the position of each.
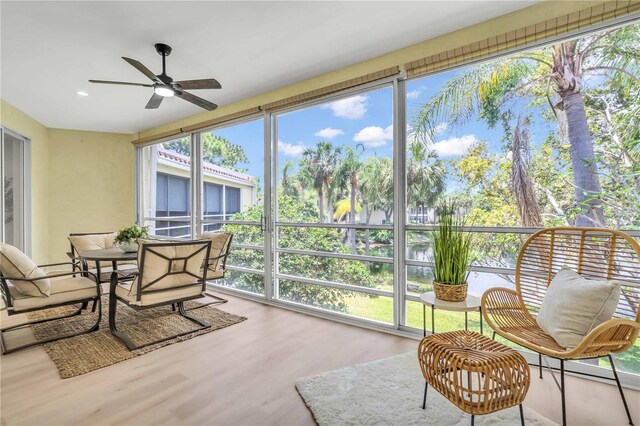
(321, 204)
(329, 204)
(367, 241)
(521, 181)
(352, 217)
(583, 160)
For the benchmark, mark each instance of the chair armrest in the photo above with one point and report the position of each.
(502, 307)
(613, 336)
(497, 298)
(55, 264)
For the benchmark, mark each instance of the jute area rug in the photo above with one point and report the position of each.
(81, 354)
(389, 392)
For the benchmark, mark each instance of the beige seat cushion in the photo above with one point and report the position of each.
(14, 263)
(63, 289)
(153, 272)
(573, 306)
(93, 242)
(219, 247)
(123, 291)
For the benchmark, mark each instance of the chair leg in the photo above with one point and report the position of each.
(624, 401)
(540, 364)
(424, 399)
(562, 388)
(473, 418)
(494, 336)
(93, 328)
(132, 346)
(93, 308)
(521, 415)
(173, 307)
(184, 313)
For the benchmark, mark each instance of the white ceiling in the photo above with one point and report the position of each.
(50, 49)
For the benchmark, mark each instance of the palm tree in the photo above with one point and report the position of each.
(562, 67)
(286, 184)
(318, 167)
(425, 177)
(347, 174)
(376, 189)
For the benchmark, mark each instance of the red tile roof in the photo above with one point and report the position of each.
(174, 157)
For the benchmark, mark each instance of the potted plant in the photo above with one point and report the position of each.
(127, 238)
(451, 253)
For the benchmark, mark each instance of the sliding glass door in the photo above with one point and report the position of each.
(232, 192)
(15, 189)
(333, 239)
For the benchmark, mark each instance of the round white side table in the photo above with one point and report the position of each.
(470, 304)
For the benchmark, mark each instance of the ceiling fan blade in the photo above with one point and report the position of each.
(123, 83)
(144, 70)
(154, 102)
(202, 103)
(205, 83)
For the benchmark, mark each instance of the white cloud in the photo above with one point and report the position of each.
(329, 133)
(351, 108)
(415, 94)
(373, 136)
(453, 147)
(291, 149)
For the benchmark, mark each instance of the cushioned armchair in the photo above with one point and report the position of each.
(95, 241)
(595, 254)
(170, 272)
(216, 267)
(27, 288)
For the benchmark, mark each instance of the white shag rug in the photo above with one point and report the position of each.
(389, 392)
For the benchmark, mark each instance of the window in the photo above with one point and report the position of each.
(165, 198)
(309, 191)
(334, 245)
(519, 152)
(212, 200)
(232, 172)
(16, 198)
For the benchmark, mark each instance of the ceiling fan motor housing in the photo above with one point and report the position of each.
(163, 49)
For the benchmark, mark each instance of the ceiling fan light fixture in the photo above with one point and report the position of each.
(163, 91)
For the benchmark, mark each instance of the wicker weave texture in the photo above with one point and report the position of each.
(477, 374)
(450, 293)
(593, 253)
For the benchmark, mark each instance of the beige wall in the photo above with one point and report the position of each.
(91, 185)
(18, 121)
(80, 182)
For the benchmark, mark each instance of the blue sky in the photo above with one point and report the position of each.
(366, 119)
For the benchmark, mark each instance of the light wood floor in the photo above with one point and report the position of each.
(241, 375)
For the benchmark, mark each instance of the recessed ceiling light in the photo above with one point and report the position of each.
(81, 93)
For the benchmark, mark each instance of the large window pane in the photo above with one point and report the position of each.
(334, 171)
(233, 169)
(166, 183)
(520, 145)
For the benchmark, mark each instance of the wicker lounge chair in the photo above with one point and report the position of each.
(591, 252)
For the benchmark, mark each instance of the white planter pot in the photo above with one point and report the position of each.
(129, 247)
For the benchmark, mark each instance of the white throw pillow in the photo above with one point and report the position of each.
(16, 264)
(573, 306)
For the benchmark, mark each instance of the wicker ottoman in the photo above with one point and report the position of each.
(477, 374)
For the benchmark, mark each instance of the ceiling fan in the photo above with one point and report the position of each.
(165, 87)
